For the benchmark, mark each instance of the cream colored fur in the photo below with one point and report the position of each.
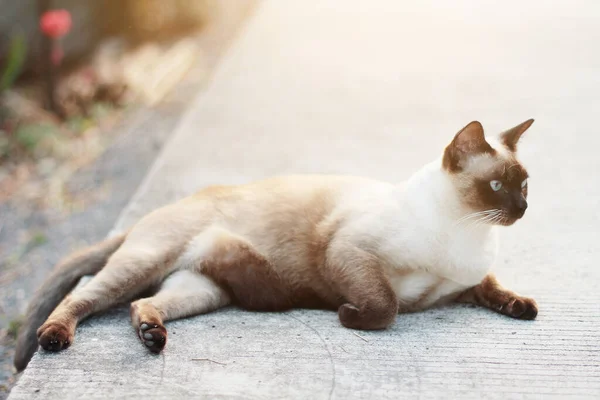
(340, 238)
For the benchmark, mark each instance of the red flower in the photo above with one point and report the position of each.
(55, 23)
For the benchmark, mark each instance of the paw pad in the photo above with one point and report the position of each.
(54, 337)
(154, 336)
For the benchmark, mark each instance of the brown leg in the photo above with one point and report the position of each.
(489, 293)
(123, 277)
(236, 266)
(182, 294)
(370, 300)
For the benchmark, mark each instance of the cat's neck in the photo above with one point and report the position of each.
(429, 222)
(431, 192)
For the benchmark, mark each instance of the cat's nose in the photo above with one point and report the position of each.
(521, 207)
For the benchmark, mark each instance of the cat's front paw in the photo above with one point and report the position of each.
(54, 336)
(521, 308)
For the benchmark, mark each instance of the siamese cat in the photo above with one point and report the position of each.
(365, 248)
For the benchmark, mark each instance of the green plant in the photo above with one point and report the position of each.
(30, 135)
(15, 62)
(13, 328)
(4, 144)
(78, 124)
(38, 239)
(101, 110)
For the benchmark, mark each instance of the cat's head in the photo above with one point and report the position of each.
(488, 176)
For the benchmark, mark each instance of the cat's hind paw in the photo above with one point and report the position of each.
(154, 336)
(54, 336)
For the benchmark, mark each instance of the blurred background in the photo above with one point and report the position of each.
(89, 92)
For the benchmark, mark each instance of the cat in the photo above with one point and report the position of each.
(365, 248)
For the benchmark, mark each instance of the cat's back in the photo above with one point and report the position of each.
(286, 194)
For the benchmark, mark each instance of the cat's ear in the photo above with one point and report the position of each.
(511, 137)
(469, 141)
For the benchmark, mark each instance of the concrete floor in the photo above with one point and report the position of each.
(378, 89)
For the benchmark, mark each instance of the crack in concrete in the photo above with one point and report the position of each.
(331, 362)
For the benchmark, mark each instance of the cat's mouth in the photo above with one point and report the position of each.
(507, 219)
(491, 217)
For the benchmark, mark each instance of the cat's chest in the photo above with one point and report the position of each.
(462, 257)
(419, 289)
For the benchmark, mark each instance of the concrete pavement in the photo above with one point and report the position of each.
(378, 89)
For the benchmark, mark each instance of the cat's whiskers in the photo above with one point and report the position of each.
(500, 218)
(473, 215)
(489, 217)
(476, 218)
(497, 218)
(485, 220)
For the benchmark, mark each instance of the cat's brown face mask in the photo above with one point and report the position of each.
(491, 180)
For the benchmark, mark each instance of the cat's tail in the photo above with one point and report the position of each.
(61, 281)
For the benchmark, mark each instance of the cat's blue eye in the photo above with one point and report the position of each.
(496, 185)
(523, 184)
